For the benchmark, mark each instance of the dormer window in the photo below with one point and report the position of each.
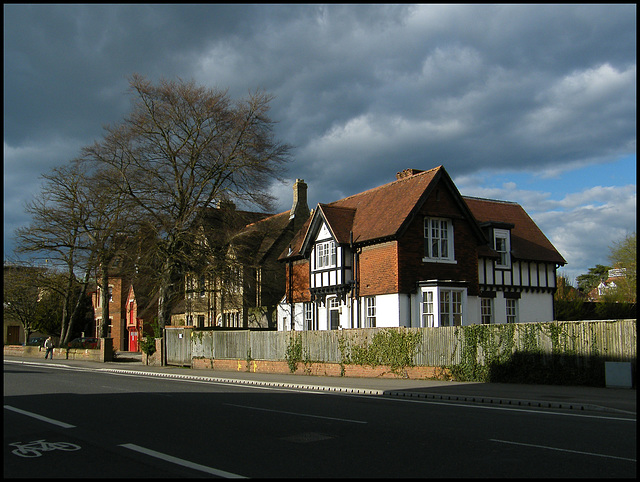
(502, 244)
(438, 240)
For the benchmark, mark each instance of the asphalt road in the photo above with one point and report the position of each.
(61, 422)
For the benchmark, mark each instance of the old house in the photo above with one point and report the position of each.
(416, 253)
(133, 303)
(239, 280)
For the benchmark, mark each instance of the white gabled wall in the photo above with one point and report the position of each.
(535, 307)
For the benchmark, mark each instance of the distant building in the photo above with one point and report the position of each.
(608, 286)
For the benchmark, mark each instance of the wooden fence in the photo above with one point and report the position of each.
(612, 340)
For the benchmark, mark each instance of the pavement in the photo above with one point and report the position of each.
(579, 398)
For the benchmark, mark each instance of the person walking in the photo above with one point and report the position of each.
(48, 345)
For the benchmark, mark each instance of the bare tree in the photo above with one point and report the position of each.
(55, 233)
(110, 227)
(184, 148)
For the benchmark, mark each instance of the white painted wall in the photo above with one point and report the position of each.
(535, 307)
(394, 310)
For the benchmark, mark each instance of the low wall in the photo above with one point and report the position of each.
(103, 354)
(157, 358)
(321, 369)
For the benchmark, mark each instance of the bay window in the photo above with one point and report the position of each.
(442, 306)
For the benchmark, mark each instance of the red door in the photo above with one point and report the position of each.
(133, 340)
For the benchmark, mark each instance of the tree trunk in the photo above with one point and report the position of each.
(104, 321)
(64, 329)
(78, 306)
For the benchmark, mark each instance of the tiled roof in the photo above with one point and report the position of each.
(527, 240)
(382, 212)
(259, 237)
(373, 214)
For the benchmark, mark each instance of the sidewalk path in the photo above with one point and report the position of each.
(613, 400)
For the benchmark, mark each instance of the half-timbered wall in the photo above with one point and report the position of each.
(521, 275)
(337, 274)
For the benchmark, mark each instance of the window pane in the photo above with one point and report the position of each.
(485, 310)
(512, 311)
(456, 307)
(445, 308)
(436, 232)
(427, 309)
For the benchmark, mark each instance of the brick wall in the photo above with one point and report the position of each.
(319, 369)
(301, 282)
(378, 269)
(117, 312)
(99, 355)
(411, 250)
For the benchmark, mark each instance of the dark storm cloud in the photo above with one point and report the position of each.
(362, 91)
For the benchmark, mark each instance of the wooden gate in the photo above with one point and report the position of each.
(178, 346)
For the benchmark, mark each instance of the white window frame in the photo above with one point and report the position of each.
(486, 311)
(438, 235)
(456, 305)
(326, 255)
(309, 319)
(427, 315)
(503, 248)
(333, 304)
(370, 312)
(512, 310)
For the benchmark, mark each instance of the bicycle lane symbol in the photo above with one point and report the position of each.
(36, 447)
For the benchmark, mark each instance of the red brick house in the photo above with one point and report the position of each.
(132, 309)
(416, 253)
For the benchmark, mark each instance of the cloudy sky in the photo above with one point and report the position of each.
(532, 104)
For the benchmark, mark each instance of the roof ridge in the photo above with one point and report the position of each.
(266, 218)
(385, 185)
(490, 200)
(329, 205)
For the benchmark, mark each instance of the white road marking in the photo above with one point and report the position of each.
(295, 413)
(40, 417)
(562, 450)
(184, 463)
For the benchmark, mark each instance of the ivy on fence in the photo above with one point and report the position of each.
(393, 348)
(516, 353)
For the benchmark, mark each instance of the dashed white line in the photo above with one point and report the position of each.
(562, 450)
(184, 463)
(40, 417)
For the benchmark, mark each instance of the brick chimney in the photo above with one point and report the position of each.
(300, 209)
(407, 173)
